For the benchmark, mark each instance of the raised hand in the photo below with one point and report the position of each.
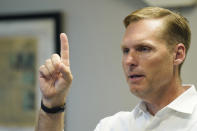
(55, 76)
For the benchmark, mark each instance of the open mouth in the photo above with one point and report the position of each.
(135, 76)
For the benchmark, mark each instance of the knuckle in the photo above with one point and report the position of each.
(41, 67)
(71, 77)
(54, 55)
(47, 61)
(42, 70)
(56, 62)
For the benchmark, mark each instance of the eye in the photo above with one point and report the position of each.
(143, 49)
(125, 50)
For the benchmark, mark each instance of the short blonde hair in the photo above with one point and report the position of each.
(176, 27)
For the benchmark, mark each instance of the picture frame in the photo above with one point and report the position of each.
(26, 41)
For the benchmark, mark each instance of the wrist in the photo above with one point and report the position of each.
(53, 102)
(54, 109)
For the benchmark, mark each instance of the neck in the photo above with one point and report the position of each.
(164, 97)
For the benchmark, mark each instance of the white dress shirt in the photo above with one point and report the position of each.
(179, 115)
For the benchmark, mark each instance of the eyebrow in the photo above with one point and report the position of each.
(138, 44)
(122, 46)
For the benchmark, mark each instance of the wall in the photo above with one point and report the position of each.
(95, 30)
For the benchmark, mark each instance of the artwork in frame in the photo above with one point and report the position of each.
(26, 40)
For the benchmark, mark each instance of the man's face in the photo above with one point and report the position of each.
(146, 60)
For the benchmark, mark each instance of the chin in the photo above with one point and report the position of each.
(137, 90)
(134, 89)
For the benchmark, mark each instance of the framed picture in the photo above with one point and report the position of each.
(25, 42)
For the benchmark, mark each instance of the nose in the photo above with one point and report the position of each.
(131, 60)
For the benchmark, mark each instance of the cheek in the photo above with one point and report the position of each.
(161, 68)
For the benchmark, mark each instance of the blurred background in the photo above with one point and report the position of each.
(95, 30)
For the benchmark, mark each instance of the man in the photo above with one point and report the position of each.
(154, 47)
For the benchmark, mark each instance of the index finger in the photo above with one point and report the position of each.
(64, 49)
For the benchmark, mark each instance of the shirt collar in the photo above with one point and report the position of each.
(184, 103)
(139, 109)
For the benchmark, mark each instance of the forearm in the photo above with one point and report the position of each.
(50, 122)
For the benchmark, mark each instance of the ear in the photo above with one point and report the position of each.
(179, 54)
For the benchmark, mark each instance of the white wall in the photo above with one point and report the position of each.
(95, 30)
(189, 72)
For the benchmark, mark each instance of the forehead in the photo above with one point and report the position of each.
(143, 30)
